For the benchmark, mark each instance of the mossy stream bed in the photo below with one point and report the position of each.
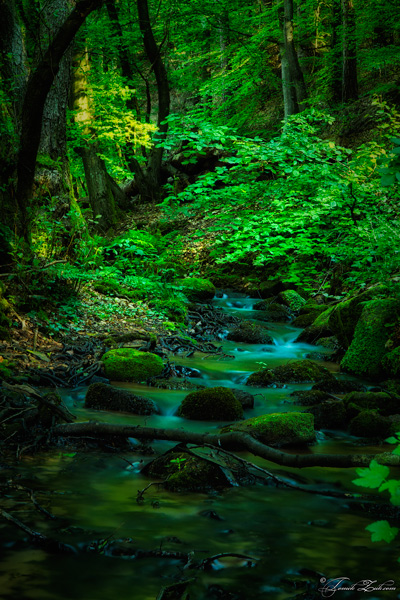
(293, 537)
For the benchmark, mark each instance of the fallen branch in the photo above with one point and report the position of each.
(229, 441)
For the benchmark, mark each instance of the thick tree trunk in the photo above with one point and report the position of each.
(335, 58)
(349, 78)
(295, 101)
(38, 87)
(290, 105)
(227, 441)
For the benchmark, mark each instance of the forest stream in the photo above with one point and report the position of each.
(293, 538)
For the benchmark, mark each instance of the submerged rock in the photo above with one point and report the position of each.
(330, 414)
(296, 371)
(196, 289)
(101, 396)
(245, 398)
(184, 472)
(251, 333)
(338, 386)
(211, 404)
(278, 429)
(368, 347)
(309, 397)
(272, 311)
(127, 364)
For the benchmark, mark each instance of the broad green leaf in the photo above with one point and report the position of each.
(381, 531)
(372, 476)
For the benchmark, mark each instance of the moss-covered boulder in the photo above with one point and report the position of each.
(386, 404)
(127, 364)
(101, 396)
(338, 386)
(112, 287)
(272, 311)
(174, 309)
(196, 289)
(370, 424)
(211, 404)
(343, 319)
(278, 429)
(330, 414)
(296, 371)
(251, 333)
(181, 471)
(309, 397)
(292, 300)
(366, 351)
(318, 329)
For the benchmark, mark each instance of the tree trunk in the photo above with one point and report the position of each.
(234, 440)
(102, 190)
(38, 87)
(292, 76)
(335, 53)
(349, 78)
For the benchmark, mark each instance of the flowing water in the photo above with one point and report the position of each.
(93, 495)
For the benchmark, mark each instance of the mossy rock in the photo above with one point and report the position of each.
(245, 398)
(174, 309)
(251, 333)
(343, 319)
(296, 371)
(312, 307)
(115, 288)
(330, 414)
(101, 396)
(292, 300)
(196, 289)
(391, 363)
(211, 404)
(278, 429)
(330, 343)
(386, 404)
(338, 386)
(370, 424)
(309, 397)
(365, 353)
(127, 364)
(185, 472)
(272, 311)
(318, 329)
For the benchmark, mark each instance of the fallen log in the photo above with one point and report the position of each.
(228, 441)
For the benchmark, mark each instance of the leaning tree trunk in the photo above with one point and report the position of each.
(38, 87)
(349, 77)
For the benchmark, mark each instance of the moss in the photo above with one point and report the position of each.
(278, 429)
(174, 309)
(330, 414)
(251, 333)
(384, 403)
(297, 371)
(211, 404)
(292, 299)
(185, 472)
(272, 311)
(366, 351)
(196, 289)
(309, 397)
(272, 287)
(127, 364)
(101, 396)
(318, 329)
(343, 319)
(391, 363)
(115, 288)
(369, 423)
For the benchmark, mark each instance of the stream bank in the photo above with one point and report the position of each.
(93, 495)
